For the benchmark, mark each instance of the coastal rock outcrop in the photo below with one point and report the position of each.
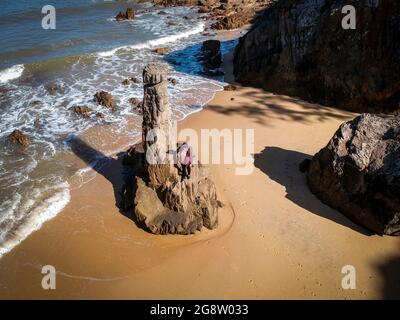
(129, 14)
(19, 138)
(300, 48)
(227, 14)
(83, 111)
(358, 172)
(105, 99)
(211, 53)
(52, 88)
(162, 51)
(163, 199)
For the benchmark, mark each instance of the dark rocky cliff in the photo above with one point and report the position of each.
(299, 47)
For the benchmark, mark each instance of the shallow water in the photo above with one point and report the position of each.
(89, 51)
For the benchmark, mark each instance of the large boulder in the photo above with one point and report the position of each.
(299, 47)
(358, 172)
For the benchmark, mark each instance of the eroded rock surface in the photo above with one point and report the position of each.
(300, 48)
(19, 138)
(162, 200)
(358, 172)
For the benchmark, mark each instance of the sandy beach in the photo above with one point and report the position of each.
(275, 239)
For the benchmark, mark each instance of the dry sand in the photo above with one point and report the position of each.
(275, 239)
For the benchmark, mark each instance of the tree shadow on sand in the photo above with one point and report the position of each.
(282, 166)
(119, 175)
(264, 107)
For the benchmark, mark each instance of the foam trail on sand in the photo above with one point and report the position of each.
(49, 209)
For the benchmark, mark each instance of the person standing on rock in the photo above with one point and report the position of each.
(186, 159)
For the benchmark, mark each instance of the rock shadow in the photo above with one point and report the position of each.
(282, 166)
(389, 271)
(120, 176)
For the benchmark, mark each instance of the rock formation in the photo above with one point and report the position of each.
(227, 14)
(83, 111)
(300, 48)
(162, 200)
(358, 172)
(19, 138)
(161, 51)
(52, 88)
(128, 15)
(211, 53)
(105, 99)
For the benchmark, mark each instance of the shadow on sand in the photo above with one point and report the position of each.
(119, 175)
(265, 106)
(282, 166)
(390, 273)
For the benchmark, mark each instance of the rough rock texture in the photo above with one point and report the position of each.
(300, 48)
(211, 53)
(358, 172)
(105, 99)
(156, 111)
(52, 88)
(162, 201)
(19, 138)
(162, 51)
(3, 90)
(83, 111)
(227, 14)
(128, 15)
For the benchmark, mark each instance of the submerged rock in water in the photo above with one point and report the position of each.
(19, 138)
(162, 51)
(164, 199)
(358, 172)
(299, 47)
(83, 111)
(3, 90)
(135, 80)
(52, 88)
(105, 99)
(128, 15)
(134, 101)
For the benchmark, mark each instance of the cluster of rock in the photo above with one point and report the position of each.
(358, 172)
(129, 14)
(228, 14)
(299, 47)
(162, 200)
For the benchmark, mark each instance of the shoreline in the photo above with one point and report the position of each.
(275, 239)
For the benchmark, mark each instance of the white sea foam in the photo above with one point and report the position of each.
(11, 73)
(48, 209)
(86, 76)
(156, 42)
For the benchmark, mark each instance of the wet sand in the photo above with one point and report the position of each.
(275, 240)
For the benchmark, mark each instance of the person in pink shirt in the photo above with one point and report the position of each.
(186, 159)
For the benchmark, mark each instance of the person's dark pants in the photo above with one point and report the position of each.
(185, 172)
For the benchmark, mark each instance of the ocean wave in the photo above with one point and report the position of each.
(11, 73)
(156, 42)
(48, 209)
